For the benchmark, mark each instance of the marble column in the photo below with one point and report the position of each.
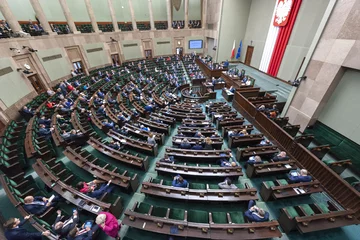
(113, 16)
(152, 24)
(133, 20)
(186, 22)
(68, 16)
(9, 16)
(203, 14)
(169, 18)
(92, 17)
(41, 16)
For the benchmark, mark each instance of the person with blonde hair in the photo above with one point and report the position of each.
(109, 224)
(208, 144)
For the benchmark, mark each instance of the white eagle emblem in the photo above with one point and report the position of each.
(282, 11)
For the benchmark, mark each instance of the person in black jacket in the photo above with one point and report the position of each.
(38, 205)
(15, 231)
(84, 233)
(62, 228)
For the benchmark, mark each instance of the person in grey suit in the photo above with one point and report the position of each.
(63, 227)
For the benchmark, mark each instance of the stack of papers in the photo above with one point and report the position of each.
(299, 190)
(287, 166)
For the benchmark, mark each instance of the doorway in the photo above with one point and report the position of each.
(115, 59)
(78, 67)
(36, 83)
(179, 51)
(249, 53)
(148, 54)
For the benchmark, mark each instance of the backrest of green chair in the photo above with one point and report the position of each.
(177, 214)
(198, 216)
(142, 208)
(159, 212)
(237, 217)
(219, 217)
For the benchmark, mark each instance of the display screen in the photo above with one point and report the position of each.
(195, 44)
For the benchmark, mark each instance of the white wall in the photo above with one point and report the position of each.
(341, 112)
(257, 29)
(234, 18)
(306, 25)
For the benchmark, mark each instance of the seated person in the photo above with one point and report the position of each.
(151, 139)
(243, 133)
(114, 145)
(261, 108)
(61, 120)
(46, 132)
(98, 101)
(65, 135)
(15, 231)
(62, 228)
(149, 108)
(254, 160)
(256, 214)
(38, 205)
(108, 124)
(185, 144)
(281, 157)
(197, 146)
(198, 134)
(142, 127)
(264, 143)
(296, 177)
(85, 232)
(101, 110)
(28, 111)
(100, 94)
(110, 100)
(179, 182)
(167, 159)
(233, 133)
(232, 89)
(227, 163)
(227, 184)
(44, 121)
(92, 190)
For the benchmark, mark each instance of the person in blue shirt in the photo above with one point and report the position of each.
(232, 89)
(226, 64)
(233, 133)
(256, 214)
(117, 87)
(142, 127)
(264, 143)
(110, 100)
(300, 177)
(85, 232)
(121, 117)
(101, 110)
(114, 145)
(76, 83)
(107, 79)
(27, 110)
(253, 160)
(98, 101)
(38, 205)
(179, 182)
(15, 231)
(185, 144)
(149, 108)
(108, 124)
(100, 94)
(198, 134)
(197, 146)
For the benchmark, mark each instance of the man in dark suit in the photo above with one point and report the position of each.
(38, 205)
(84, 233)
(14, 230)
(62, 228)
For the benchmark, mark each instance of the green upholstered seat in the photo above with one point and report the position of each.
(203, 165)
(167, 183)
(159, 211)
(219, 217)
(177, 214)
(192, 164)
(308, 210)
(265, 162)
(156, 181)
(213, 186)
(197, 186)
(269, 184)
(323, 207)
(283, 182)
(143, 208)
(198, 216)
(237, 217)
(240, 185)
(292, 212)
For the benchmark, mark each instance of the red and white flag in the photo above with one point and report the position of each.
(233, 51)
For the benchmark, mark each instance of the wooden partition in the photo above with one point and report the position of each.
(243, 103)
(335, 186)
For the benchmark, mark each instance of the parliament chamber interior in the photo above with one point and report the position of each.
(179, 119)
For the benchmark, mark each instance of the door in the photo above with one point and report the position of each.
(115, 59)
(78, 66)
(36, 83)
(148, 54)
(249, 53)
(179, 51)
